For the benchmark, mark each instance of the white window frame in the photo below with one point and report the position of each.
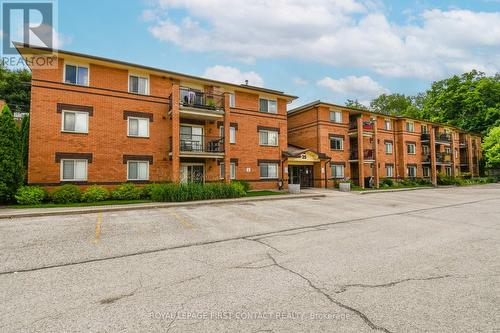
(147, 170)
(139, 76)
(268, 164)
(138, 135)
(387, 124)
(337, 117)
(410, 127)
(337, 167)
(75, 64)
(425, 129)
(426, 172)
(341, 143)
(269, 145)
(63, 112)
(387, 168)
(74, 170)
(447, 150)
(425, 149)
(389, 144)
(414, 149)
(232, 171)
(232, 100)
(446, 171)
(408, 167)
(232, 134)
(268, 108)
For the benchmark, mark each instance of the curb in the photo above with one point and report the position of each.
(394, 190)
(120, 208)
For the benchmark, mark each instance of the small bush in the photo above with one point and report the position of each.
(245, 184)
(387, 182)
(146, 191)
(66, 194)
(193, 191)
(95, 193)
(30, 195)
(126, 191)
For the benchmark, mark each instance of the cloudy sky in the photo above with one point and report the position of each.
(316, 49)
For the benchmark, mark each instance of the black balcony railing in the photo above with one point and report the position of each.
(443, 158)
(425, 137)
(201, 144)
(353, 125)
(367, 154)
(201, 100)
(443, 137)
(426, 158)
(464, 160)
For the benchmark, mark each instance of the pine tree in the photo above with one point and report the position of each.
(11, 165)
(25, 138)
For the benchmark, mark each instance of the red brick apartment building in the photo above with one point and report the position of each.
(357, 144)
(102, 121)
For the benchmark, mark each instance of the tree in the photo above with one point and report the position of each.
(15, 88)
(491, 148)
(355, 104)
(25, 137)
(394, 104)
(11, 165)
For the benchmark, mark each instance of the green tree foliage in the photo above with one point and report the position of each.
(354, 103)
(15, 88)
(470, 101)
(11, 165)
(491, 148)
(25, 137)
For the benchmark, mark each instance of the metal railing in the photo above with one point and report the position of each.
(201, 143)
(425, 136)
(443, 137)
(443, 158)
(426, 158)
(353, 125)
(367, 154)
(201, 100)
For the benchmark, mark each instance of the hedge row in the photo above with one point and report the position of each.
(461, 181)
(32, 195)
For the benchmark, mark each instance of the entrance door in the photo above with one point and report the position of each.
(192, 173)
(301, 174)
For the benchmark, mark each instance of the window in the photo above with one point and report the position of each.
(337, 171)
(447, 150)
(232, 171)
(73, 170)
(425, 130)
(387, 125)
(268, 138)
(425, 150)
(410, 148)
(456, 153)
(268, 170)
(426, 172)
(138, 85)
(76, 122)
(336, 116)
(410, 127)
(336, 143)
(448, 171)
(388, 147)
(74, 74)
(138, 127)
(411, 170)
(268, 106)
(389, 171)
(232, 134)
(232, 100)
(138, 170)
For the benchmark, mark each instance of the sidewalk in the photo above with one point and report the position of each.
(7, 213)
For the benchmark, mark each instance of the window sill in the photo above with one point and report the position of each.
(137, 137)
(269, 179)
(137, 181)
(336, 149)
(74, 182)
(269, 146)
(70, 132)
(76, 84)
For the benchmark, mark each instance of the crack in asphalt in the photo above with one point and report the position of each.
(344, 287)
(237, 238)
(360, 314)
(258, 240)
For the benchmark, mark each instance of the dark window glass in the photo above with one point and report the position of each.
(70, 74)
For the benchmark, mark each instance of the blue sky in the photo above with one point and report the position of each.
(316, 49)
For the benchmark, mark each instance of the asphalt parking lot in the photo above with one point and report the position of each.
(416, 261)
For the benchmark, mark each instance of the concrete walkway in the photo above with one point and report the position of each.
(7, 213)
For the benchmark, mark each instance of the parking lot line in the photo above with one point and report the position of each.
(182, 220)
(98, 228)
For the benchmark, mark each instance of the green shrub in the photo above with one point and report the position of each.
(245, 184)
(95, 193)
(193, 191)
(66, 194)
(30, 195)
(387, 182)
(146, 191)
(126, 191)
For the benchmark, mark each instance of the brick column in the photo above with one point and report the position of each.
(227, 141)
(469, 155)
(452, 147)
(376, 174)
(432, 147)
(361, 157)
(175, 132)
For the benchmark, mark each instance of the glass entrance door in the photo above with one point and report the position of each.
(301, 174)
(192, 173)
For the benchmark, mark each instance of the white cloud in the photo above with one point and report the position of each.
(353, 33)
(300, 81)
(233, 75)
(354, 87)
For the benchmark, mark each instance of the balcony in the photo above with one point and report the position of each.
(463, 144)
(353, 125)
(196, 104)
(463, 160)
(443, 137)
(426, 158)
(443, 158)
(425, 137)
(367, 155)
(201, 146)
